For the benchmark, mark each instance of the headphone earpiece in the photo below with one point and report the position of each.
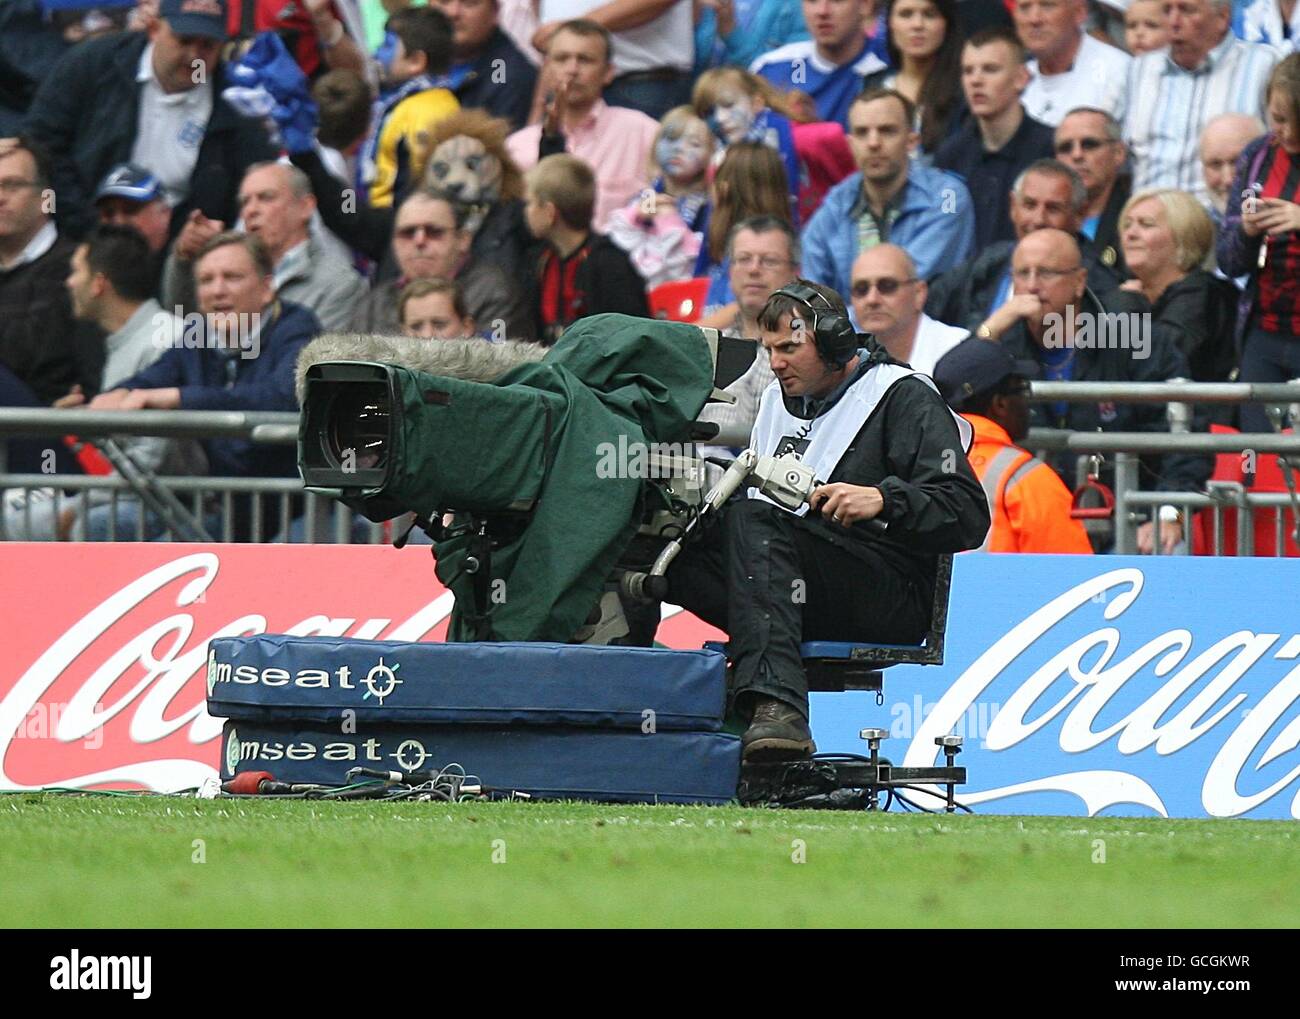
(833, 333)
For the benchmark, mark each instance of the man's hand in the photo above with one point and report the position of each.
(196, 232)
(557, 107)
(112, 400)
(725, 11)
(542, 37)
(1020, 306)
(152, 399)
(75, 398)
(1272, 216)
(1171, 533)
(846, 504)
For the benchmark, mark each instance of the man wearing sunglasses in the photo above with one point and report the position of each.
(1090, 142)
(430, 242)
(889, 303)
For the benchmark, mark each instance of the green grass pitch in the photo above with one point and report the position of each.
(161, 861)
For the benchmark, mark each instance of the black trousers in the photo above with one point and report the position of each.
(771, 583)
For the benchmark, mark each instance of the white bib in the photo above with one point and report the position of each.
(832, 432)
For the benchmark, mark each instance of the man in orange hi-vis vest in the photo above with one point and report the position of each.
(1029, 504)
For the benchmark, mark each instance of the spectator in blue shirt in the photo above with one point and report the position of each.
(735, 33)
(831, 66)
(924, 211)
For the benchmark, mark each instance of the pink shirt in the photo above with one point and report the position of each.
(614, 141)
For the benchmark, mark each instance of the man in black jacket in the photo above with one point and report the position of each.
(488, 71)
(152, 99)
(1048, 194)
(891, 453)
(1056, 320)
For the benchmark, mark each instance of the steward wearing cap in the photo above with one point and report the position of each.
(153, 99)
(890, 451)
(1030, 505)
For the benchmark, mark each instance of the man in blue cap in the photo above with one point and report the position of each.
(132, 196)
(152, 99)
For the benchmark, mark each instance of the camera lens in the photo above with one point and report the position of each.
(358, 425)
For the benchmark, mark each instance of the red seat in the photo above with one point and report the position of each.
(679, 300)
(1268, 478)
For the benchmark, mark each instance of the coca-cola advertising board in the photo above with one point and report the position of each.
(1082, 685)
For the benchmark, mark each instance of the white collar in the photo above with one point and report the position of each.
(36, 247)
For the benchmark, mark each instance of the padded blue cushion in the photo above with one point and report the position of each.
(315, 679)
(623, 767)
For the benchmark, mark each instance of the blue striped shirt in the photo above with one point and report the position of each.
(1168, 107)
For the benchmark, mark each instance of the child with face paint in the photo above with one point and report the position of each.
(413, 58)
(660, 228)
(740, 106)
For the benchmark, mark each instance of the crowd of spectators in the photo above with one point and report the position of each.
(995, 172)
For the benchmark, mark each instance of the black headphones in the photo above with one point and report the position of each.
(833, 333)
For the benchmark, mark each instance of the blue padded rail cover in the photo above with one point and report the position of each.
(315, 679)
(581, 764)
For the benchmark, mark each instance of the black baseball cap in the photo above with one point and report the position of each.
(206, 18)
(975, 367)
(126, 180)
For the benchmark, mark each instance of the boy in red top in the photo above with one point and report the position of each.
(579, 272)
(1029, 505)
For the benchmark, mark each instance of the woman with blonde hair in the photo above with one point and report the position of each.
(1167, 237)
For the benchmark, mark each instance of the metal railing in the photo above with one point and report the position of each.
(206, 493)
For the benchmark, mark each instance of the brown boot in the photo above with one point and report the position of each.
(776, 732)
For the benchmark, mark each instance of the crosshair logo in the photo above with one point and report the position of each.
(381, 681)
(412, 747)
(232, 752)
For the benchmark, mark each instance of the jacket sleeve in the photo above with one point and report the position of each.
(167, 371)
(1238, 254)
(1179, 472)
(617, 286)
(818, 260)
(366, 229)
(335, 309)
(946, 237)
(1038, 507)
(54, 120)
(932, 498)
(271, 389)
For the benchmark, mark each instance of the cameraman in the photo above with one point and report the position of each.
(889, 450)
